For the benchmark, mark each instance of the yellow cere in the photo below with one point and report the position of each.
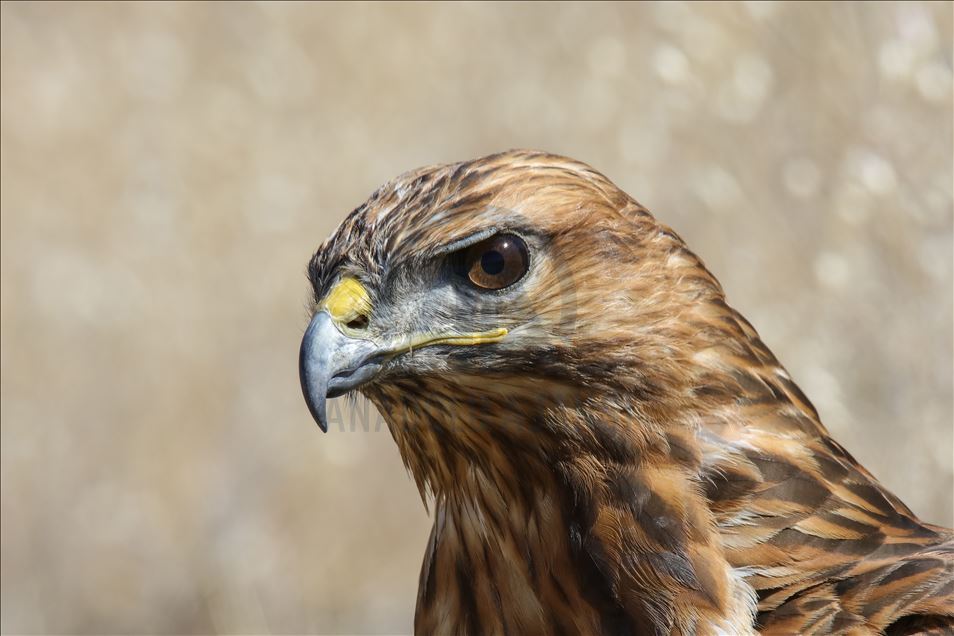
(347, 300)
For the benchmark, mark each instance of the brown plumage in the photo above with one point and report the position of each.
(628, 457)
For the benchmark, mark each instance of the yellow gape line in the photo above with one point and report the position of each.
(348, 300)
(463, 339)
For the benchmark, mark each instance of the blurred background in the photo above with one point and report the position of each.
(168, 169)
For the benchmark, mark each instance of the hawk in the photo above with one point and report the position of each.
(609, 446)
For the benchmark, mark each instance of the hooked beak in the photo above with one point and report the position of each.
(331, 364)
(335, 358)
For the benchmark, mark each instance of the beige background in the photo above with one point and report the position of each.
(167, 169)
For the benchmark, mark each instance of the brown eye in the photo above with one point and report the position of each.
(497, 262)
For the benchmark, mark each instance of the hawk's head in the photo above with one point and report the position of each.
(513, 268)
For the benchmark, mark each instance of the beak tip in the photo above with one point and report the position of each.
(315, 399)
(316, 406)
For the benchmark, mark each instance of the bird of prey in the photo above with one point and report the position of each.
(609, 447)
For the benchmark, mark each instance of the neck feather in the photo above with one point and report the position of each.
(560, 514)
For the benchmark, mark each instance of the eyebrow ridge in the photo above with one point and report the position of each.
(467, 241)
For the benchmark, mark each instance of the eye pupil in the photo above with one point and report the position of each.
(492, 262)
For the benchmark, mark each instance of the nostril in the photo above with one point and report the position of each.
(361, 322)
